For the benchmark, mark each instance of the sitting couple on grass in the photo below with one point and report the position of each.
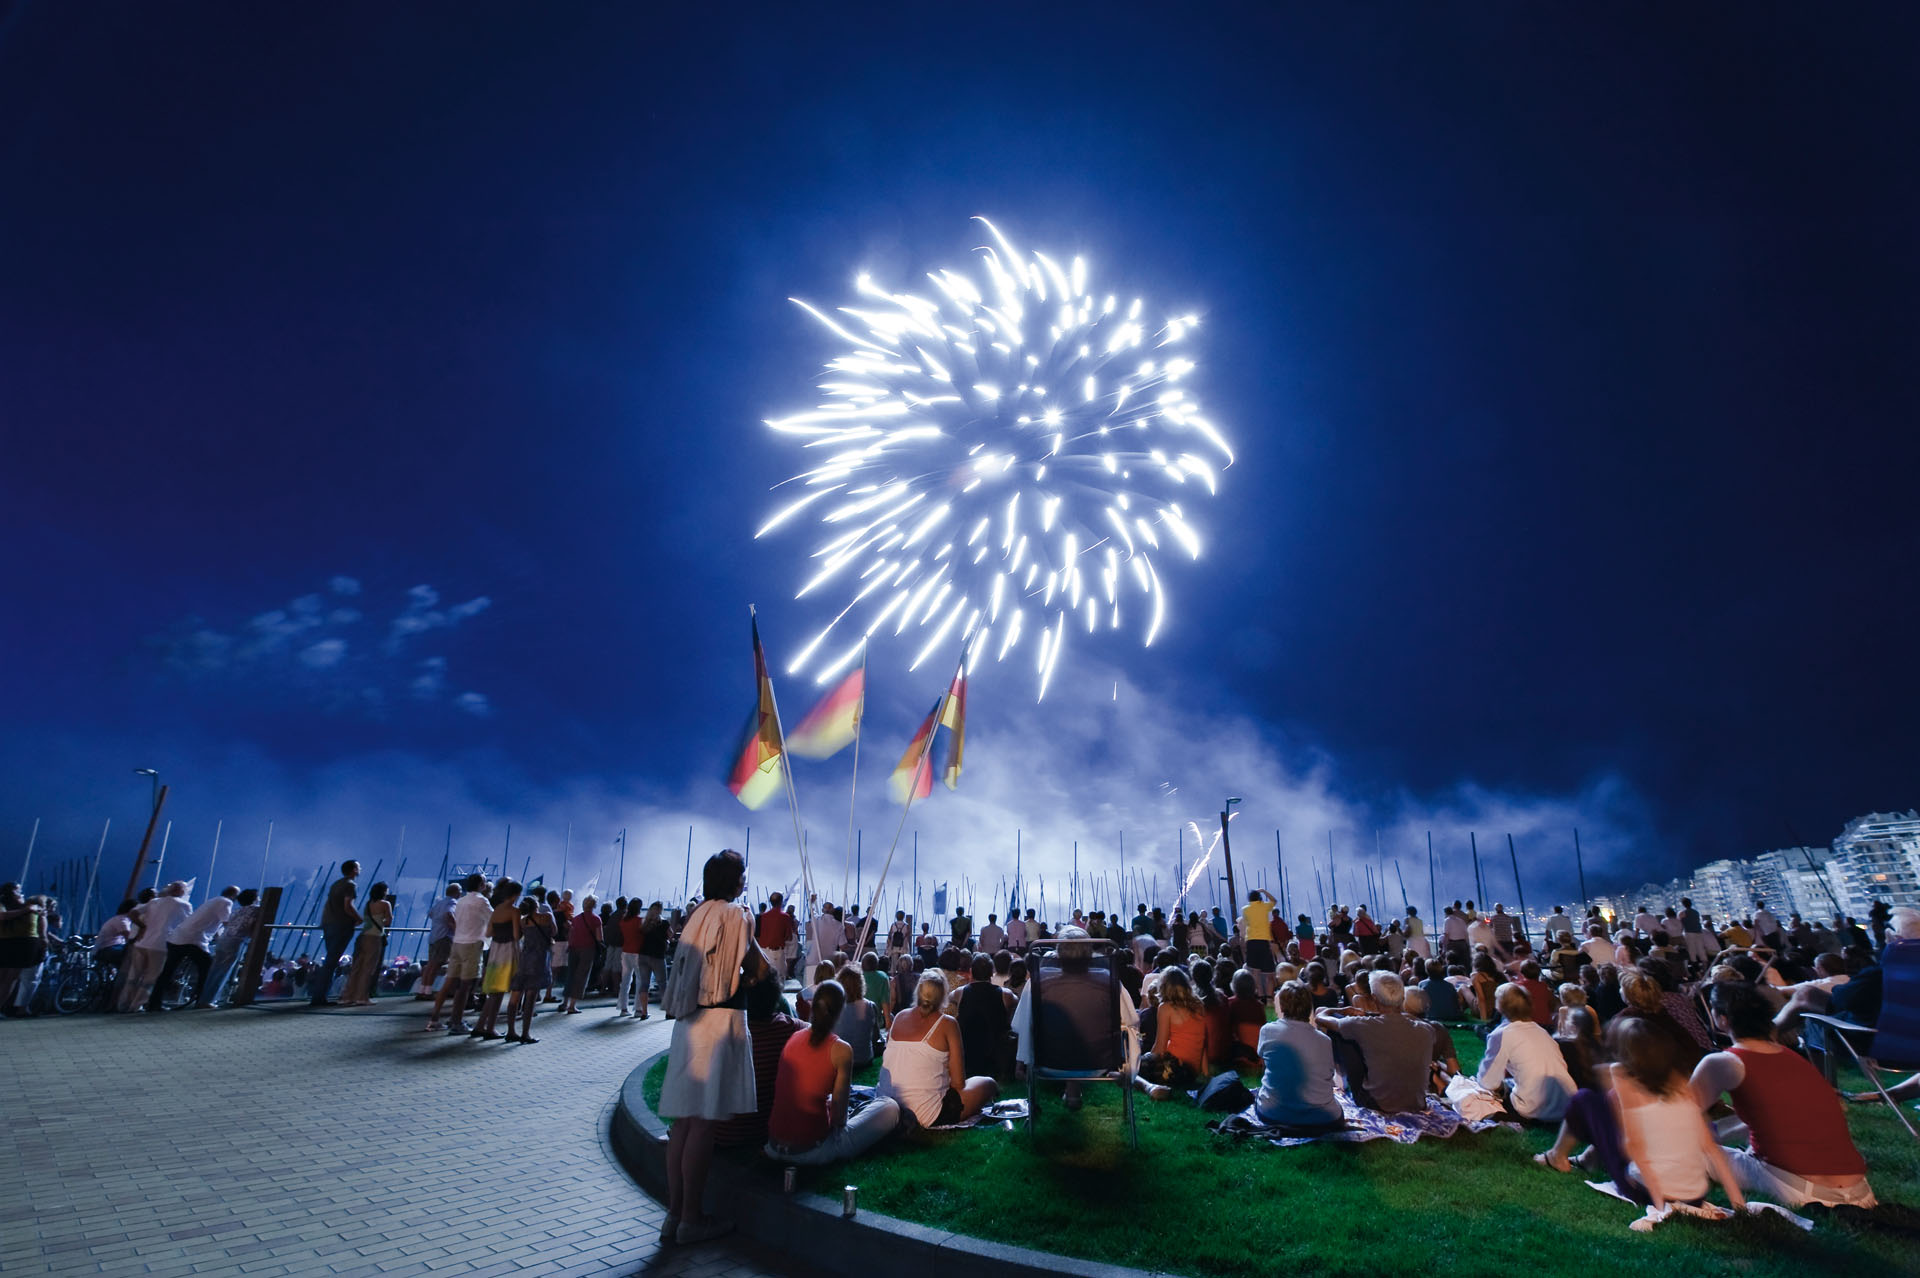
(922, 1080)
(1649, 1133)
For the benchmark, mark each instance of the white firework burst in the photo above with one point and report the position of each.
(1000, 458)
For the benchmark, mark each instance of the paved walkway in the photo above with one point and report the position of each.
(282, 1141)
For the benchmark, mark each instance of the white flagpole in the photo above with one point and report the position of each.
(215, 858)
(94, 874)
(854, 788)
(263, 858)
(866, 926)
(35, 837)
(161, 864)
(786, 768)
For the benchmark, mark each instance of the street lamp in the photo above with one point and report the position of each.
(155, 775)
(153, 819)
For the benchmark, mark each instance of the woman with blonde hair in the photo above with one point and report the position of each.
(1180, 1048)
(922, 1068)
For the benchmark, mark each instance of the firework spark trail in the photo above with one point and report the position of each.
(1193, 875)
(1003, 454)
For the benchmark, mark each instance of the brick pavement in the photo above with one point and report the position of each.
(278, 1141)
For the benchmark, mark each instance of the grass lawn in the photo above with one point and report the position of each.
(1192, 1203)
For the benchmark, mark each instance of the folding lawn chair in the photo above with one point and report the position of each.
(1894, 1042)
(1076, 1027)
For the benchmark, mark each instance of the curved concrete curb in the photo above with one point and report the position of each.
(866, 1242)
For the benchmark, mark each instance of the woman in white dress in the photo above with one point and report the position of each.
(710, 1063)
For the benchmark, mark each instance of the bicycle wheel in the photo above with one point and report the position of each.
(75, 992)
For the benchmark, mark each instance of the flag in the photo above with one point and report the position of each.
(954, 720)
(756, 776)
(913, 776)
(835, 722)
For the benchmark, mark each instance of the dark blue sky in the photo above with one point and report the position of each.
(1569, 355)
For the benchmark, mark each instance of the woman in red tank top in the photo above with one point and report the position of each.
(810, 1123)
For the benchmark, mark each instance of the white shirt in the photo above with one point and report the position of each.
(1557, 924)
(198, 927)
(1645, 922)
(1454, 928)
(992, 939)
(159, 917)
(1016, 933)
(1541, 1084)
(470, 915)
(1599, 949)
(1764, 924)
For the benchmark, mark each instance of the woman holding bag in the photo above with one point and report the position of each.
(710, 1063)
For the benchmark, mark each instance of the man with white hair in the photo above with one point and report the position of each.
(1383, 1055)
(148, 953)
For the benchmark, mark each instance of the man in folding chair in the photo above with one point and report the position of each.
(1075, 1022)
(1888, 1038)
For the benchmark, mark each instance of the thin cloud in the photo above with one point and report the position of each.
(318, 649)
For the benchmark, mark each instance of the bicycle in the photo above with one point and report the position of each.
(83, 983)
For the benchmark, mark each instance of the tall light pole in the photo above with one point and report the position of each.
(140, 860)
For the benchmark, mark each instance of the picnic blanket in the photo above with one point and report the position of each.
(1008, 1111)
(1702, 1211)
(1437, 1121)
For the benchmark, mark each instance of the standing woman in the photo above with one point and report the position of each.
(652, 960)
(583, 939)
(533, 970)
(369, 949)
(22, 938)
(503, 929)
(710, 1063)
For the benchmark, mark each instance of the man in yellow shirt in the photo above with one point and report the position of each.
(1257, 931)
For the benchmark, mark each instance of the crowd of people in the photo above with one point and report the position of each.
(1668, 1053)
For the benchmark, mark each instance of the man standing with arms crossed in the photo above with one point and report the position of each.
(338, 918)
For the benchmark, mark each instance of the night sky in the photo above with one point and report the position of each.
(1569, 355)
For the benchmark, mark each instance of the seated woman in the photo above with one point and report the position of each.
(859, 1023)
(822, 973)
(1213, 1005)
(922, 1066)
(1581, 1048)
(1246, 1017)
(1180, 1049)
(1446, 1061)
(809, 1122)
(1645, 1000)
(1485, 984)
(1296, 1078)
(1799, 1148)
(1647, 1133)
(1521, 1051)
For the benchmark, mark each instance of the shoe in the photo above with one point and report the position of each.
(711, 1229)
(573, 1011)
(486, 1037)
(457, 1028)
(670, 1231)
(511, 1037)
(527, 1040)
(432, 1026)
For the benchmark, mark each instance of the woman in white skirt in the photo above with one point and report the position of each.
(710, 1064)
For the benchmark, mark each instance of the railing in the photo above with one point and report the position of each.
(397, 970)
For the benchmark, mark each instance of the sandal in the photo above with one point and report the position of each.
(1546, 1160)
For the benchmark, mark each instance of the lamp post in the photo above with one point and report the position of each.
(1226, 846)
(153, 820)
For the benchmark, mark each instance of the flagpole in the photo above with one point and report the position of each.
(853, 788)
(786, 770)
(913, 790)
(31, 840)
(86, 902)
